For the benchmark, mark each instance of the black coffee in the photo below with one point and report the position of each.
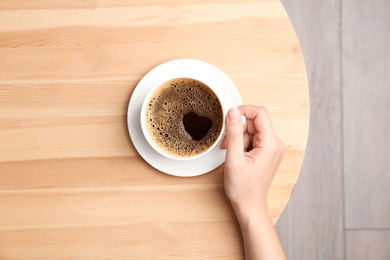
(184, 117)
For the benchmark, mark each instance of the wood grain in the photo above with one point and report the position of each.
(311, 227)
(72, 185)
(366, 70)
(367, 244)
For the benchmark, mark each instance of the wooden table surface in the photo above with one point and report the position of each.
(72, 185)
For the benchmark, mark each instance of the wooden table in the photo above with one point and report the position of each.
(72, 185)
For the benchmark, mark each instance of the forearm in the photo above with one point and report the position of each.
(261, 241)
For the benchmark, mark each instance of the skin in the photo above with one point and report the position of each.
(253, 155)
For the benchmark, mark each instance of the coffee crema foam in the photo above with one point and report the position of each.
(166, 109)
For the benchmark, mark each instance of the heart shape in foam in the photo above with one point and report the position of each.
(196, 126)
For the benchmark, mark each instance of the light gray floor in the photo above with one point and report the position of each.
(340, 207)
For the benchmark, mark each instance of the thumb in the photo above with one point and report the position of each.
(234, 134)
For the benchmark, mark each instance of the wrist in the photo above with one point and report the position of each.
(247, 214)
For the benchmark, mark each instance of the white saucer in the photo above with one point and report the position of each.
(181, 68)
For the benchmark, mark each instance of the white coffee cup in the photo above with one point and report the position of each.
(159, 103)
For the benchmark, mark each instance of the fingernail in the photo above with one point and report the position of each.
(234, 116)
